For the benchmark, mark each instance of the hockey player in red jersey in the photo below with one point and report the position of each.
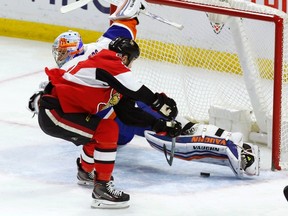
(84, 85)
(72, 98)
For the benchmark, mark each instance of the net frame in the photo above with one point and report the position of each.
(279, 23)
(278, 58)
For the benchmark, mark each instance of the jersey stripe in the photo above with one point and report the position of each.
(70, 126)
(104, 156)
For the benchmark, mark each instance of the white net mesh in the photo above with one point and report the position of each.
(215, 60)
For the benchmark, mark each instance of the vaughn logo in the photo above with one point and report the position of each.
(209, 140)
(209, 148)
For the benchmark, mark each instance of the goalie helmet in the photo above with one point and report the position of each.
(67, 46)
(125, 46)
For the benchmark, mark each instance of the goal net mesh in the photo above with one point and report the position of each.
(216, 60)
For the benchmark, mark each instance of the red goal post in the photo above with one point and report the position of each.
(248, 46)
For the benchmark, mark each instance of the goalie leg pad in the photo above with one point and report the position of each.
(189, 147)
(234, 158)
(241, 160)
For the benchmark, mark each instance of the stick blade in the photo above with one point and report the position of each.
(169, 160)
(74, 6)
(65, 9)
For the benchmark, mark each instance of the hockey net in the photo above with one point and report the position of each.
(229, 63)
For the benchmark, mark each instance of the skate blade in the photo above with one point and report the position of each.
(105, 204)
(85, 183)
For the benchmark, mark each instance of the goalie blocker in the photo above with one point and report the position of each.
(210, 144)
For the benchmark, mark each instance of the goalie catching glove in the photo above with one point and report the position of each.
(172, 128)
(165, 106)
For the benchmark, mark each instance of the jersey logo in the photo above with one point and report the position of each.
(93, 53)
(207, 139)
(113, 100)
(207, 148)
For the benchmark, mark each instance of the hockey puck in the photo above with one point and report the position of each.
(285, 191)
(204, 174)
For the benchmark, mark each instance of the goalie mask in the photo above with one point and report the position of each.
(67, 46)
(125, 46)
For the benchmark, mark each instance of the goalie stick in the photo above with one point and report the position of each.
(172, 151)
(74, 5)
(81, 3)
(161, 19)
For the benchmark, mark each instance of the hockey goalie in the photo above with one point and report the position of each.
(210, 144)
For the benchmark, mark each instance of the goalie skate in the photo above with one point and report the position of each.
(127, 9)
(250, 159)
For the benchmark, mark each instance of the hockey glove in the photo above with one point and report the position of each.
(172, 128)
(33, 102)
(165, 106)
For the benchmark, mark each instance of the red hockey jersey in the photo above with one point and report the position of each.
(79, 90)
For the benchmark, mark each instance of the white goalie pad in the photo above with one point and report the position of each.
(209, 144)
(190, 147)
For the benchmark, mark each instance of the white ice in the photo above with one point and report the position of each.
(38, 172)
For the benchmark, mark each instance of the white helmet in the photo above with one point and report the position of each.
(67, 46)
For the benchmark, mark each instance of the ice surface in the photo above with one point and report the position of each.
(38, 172)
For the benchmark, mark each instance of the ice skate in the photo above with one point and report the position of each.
(128, 9)
(250, 158)
(105, 196)
(84, 178)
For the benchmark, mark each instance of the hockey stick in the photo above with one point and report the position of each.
(285, 191)
(172, 151)
(81, 3)
(151, 15)
(74, 5)
(161, 19)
